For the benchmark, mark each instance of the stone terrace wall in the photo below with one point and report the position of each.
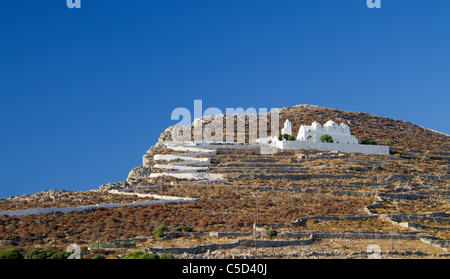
(361, 148)
(241, 242)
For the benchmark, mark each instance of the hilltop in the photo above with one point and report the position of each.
(398, 134)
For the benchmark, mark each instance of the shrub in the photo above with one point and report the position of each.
(160, 230)
(133, 255)
(286, 137)
(98, 257)
(139, 255)
(184, 229)
(370, 141)
(326, 138)
(148, 256)
(11, 254)
(270, 233)
(167, 256)
(41, 254)
(60, 255)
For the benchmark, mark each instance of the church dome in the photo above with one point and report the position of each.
(316, 125)
(330, 123)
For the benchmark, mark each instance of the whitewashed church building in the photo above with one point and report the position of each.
(308, 137)
(339, 133)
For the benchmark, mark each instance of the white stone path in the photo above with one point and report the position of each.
(37, 211)
(191, 167)
(161, 199)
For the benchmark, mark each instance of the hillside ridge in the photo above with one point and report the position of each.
(395, 133)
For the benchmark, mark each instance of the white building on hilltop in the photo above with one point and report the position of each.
(308, 137)
(339, 133)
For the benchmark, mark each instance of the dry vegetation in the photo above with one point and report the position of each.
(53, 198)
(277, 188)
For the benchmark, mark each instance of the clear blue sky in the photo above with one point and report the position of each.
(85, 92)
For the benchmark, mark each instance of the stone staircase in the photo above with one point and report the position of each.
(187, 165)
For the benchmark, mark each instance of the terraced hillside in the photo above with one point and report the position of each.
(219, 200)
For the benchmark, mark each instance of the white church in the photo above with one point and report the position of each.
(339, 133)
(308, 137)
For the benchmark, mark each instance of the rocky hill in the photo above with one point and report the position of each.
(220, 200)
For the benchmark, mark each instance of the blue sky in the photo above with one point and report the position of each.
(85, 92)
